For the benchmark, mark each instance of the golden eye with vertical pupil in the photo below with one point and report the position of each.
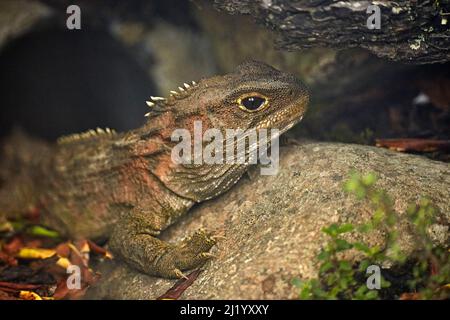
(253, 102)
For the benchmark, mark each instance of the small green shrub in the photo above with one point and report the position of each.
(427, 274)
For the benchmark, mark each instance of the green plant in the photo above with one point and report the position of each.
(427, 274)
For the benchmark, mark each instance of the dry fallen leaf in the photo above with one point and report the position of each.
(8, 259)
(63, 262)
(7, 296)
(17, 286)
(35, 253)
(180, 286)
(35, 264)
(13, 246)
(29, 295)
(63, 250)
(100, 250)
(416, 145)
(410, 296)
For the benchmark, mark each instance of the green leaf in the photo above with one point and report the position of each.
(369, 179)
(18, 225)
(305, 293)
(347, 227)
(325, 267)
(366, 227)
(42, 232)
(360, 293)
(391, 219)
(360, 192)
(345, 265)
(373, 251)
(343, 283)
(372, 295)
(296, 282)
(385, 283)
(378, 216)
(361, 247)
(331, 230)
(363, 265)
(323, 255)
(342, 245)
(353, 183)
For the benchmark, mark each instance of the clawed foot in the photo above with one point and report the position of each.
(134, 241)
(192, 252)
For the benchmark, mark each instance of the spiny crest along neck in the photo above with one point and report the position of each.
(159, 105)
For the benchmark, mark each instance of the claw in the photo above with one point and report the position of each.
(217, 237)
(210, 240)
(180, 274)
(208, 255)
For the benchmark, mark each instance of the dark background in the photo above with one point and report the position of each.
(55, 81)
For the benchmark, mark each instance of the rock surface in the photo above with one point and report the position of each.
(410, 31)
(18, 17)
(272, 224)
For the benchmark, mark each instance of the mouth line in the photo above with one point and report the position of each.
(290, 125)
(285, 119)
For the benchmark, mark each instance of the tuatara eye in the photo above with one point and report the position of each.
(253, 102)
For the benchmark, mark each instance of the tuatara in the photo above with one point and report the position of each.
(125, 187)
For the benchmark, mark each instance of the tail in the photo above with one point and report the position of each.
(17, 154)
(14, 153)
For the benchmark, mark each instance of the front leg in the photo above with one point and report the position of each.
(134, 240)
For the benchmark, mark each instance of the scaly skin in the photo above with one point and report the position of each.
(126, 187)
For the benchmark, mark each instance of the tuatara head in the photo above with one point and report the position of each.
(254, 96)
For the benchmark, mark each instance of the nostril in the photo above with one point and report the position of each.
(291, 92)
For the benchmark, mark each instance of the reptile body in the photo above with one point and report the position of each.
(125, 187)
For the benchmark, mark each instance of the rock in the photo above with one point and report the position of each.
(357, 96)
(178, 54)
(409, 31)
(272, 224)
(19, 16)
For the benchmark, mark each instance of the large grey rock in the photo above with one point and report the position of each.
(272, 224)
